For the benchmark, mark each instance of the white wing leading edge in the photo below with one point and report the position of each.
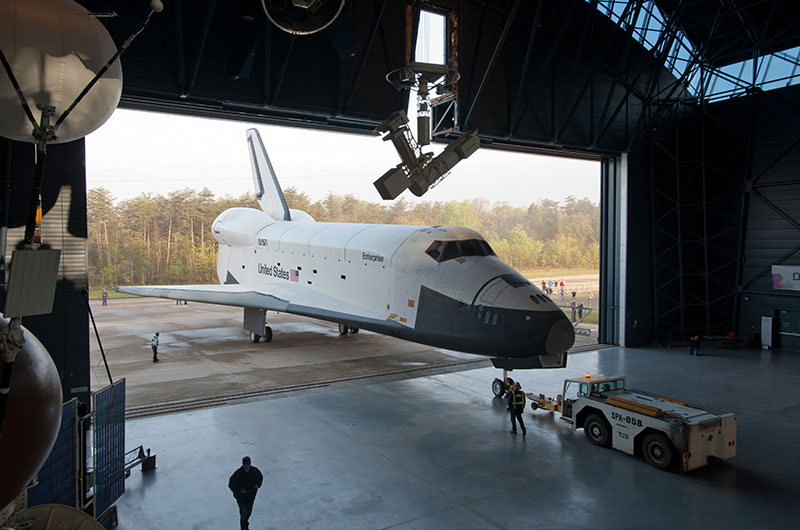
(284, 297)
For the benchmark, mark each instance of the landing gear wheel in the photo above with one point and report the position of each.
(268, 334)
(498, 388)
(353, 331)
(597, 430)
(658, 451)
(343, 329)
(255, 338)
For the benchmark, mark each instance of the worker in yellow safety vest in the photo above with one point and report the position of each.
(515, 401)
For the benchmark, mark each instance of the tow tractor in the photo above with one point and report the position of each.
(668, 432)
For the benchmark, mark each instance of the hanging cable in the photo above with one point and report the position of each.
(85, 293)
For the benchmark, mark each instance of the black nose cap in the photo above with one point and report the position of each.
(560, 338)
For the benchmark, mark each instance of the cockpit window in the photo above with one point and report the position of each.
(471, 247)
(435, 250)
(446, 250)
(451, 251)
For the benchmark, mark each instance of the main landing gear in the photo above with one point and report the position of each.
(254, 320)
(344, 329)
(255, 338)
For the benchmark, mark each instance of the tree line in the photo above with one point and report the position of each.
(156, 239)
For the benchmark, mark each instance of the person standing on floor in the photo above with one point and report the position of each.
(104, 296)
(515, 401)
(154, 347)
(244, 484)
(694, 345)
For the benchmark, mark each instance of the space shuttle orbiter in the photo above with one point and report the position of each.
(436, 285)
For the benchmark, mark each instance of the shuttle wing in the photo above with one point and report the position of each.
(273, 296)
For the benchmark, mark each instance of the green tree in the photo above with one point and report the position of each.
(156, 239)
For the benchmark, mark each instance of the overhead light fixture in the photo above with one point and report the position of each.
(302, 17)
(425, 77)
(418, 171)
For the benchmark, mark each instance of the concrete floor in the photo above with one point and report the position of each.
(206, 356)
(435, 452)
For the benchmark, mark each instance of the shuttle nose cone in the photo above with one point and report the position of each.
(560, 338)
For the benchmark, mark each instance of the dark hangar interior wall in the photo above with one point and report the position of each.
(772, 219)
(718, 192)
(64, 332)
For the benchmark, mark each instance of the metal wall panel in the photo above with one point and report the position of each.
(725, 206)
(611, 262)
(773, 209)
(639, 270)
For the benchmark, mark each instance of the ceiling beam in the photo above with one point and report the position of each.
(201, 46)
(514, 118)
(180, 59)
(489, 67)
(373, 30)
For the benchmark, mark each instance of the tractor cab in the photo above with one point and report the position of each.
(597, 385)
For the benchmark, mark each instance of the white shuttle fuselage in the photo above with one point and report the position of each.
(441, 286)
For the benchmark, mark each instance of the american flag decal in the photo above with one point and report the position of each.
(294, 275)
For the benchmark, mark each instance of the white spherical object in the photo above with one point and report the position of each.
(55, 48)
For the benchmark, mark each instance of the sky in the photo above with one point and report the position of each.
(138, 152)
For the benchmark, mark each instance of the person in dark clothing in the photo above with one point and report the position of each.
(515, 401)
(244, 484)
(154, 347)
(694, 345)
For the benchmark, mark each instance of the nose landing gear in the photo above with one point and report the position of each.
(500, 386)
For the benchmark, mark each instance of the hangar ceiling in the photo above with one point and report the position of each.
(574, 75)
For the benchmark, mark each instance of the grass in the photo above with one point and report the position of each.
(557, 273)
(591, 318)
(95, 294)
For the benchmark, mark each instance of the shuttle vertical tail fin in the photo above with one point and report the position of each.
(268, 190)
